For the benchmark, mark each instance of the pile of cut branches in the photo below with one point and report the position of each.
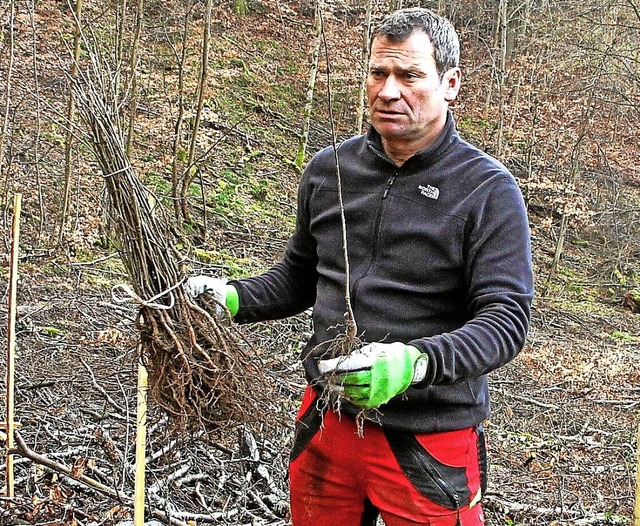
(202, 372)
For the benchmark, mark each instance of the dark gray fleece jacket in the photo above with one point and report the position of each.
(440, 258)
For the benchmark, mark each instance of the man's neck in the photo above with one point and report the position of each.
(401, 151)
(398, 157)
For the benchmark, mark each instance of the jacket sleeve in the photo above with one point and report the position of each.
(289, 287)
(499, 280)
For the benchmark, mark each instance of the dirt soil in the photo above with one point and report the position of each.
(562, 435)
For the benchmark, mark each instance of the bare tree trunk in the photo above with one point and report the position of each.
(366, 35)
(180, 59)
(501, 35)
(189, 173)
(447, 8)
(575, 169)
(68, 143)
(36, 140)
(526, 20)
(515, 100)
(308, 106)
(135, 56)
(7, 98)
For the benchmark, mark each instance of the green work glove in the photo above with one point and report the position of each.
(376, 373)
(226, 295)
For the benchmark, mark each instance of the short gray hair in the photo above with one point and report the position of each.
(401, 24)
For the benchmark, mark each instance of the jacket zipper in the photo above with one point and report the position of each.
(390, 182)
(376, 232)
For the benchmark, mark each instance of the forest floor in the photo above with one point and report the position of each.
(562, 436)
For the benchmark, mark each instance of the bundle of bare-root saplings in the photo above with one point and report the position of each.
(201, 370)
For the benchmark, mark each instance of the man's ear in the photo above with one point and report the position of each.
(451, 81)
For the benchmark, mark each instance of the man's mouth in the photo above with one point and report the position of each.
(389, 113)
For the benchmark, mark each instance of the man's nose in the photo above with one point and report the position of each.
(390, 90)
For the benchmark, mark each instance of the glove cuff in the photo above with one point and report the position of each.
(232, 299)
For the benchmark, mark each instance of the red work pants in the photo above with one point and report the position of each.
(338, 478)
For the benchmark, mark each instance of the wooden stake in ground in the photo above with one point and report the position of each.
(141, 440)
(11, 344)
(636, 509)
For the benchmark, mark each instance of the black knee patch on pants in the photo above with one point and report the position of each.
(444, 485)
(306, 428)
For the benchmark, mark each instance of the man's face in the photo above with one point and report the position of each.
(407, 101)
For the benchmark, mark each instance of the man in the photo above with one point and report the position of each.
(441, 287)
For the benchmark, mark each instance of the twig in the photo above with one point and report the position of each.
(254, 496)
(208, 517)
(506, 506)
(23, 450)
(111, 401)
(199, 372)
(528, 400)
(626, 404)
(560, 516)
(157, 486)
(93, 262)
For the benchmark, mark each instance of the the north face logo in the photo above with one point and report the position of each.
(429, 191)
